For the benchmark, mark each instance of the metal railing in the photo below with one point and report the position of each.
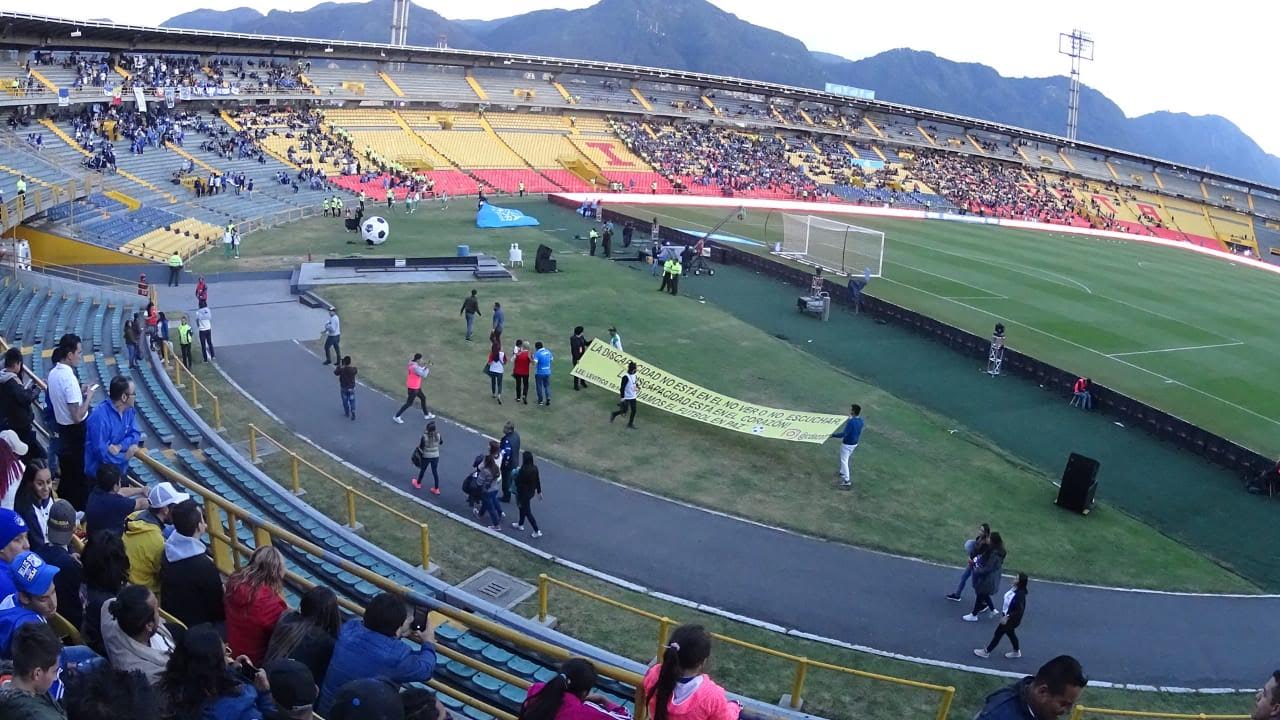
(40, 197)
(1079, 711)
(801, 664)
(350, 493)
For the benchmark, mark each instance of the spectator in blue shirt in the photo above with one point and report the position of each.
(373, 647)
(848, 443)
(542, 358)
(111, 430)
(110, 504)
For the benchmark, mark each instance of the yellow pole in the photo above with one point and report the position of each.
(221, 550)
(797, 684)
(664, 632)
(351, 508)
(261, 537)
(195, 399)
(544, 592)
(231, 540)
(293, 473)
(217, 413)
(1077, 712)
(944, 708)
(425, 538)
(253, 444)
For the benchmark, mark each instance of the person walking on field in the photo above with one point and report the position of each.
(496, 366)
(849, 437)
(972, 549)
(520, 371)
(986, 577)
(542, 358)
(628, 390)
(332, 336)
(1015, 604)
(577, 348)
(346, 373)
(470, 309)
(528, 486)
(428, 455)
(417, 369)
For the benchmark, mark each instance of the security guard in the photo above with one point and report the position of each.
(175, 268)
(184, 341)
(326, 205)
(593, 237)
(676, 269)
(22, 185)
(667, 266)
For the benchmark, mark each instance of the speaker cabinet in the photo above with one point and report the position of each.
(1079, 484)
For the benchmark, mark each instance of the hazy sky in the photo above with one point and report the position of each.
(1185, 57)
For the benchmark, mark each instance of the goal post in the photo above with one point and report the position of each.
(832, 245)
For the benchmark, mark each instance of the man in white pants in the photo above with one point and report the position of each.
(848, 443)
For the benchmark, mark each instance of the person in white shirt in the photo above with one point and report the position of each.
(615, 339)
(332, 337)
(70, 400)
(628, 391)
(204, 324)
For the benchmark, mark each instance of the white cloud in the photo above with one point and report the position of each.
(1150, 55)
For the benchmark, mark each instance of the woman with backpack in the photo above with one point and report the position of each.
(427, 454)
(1015, 604)
(986, 577)
(472, 486)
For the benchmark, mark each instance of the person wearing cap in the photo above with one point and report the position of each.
(36, 667)
(111, 503)
(13, 542)
(34, 600)
(367, 699)
(372, 646)
(70, 402)
(189, 581)
(16, 397)
(56, 551)
(293, 689)
(112, 436)
(144, 535)
(11, 468)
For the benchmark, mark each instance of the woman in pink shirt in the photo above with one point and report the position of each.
(677, 689)
(567, 696)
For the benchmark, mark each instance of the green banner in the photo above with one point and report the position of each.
(604, 366)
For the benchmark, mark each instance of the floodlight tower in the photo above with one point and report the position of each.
(1079, 47)
(400, 22)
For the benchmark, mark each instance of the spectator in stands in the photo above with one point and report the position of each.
(309, 634)
(254, 603)
(134, 633)
(104, 693)
(1047, 695)
(161, 342)
(144, 535)
(70, 401)
(1080, 393)
(34, 598)
(200, 681)
(17, 393)
(973, 548)
(11, 468)
(111, 503)
(13, 542)
(372, 647)
(1015, 604)
(36, 668)
(986, 577)
(112, 436)
(35, 499)
(373, 698)
(132, 336)
(189, 581)
(422, 704)
(676, 686)
(293, 689)
(56, 551)
(106, 571)
(568, 696)
(204, 325)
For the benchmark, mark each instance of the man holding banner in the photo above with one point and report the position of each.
(628, 390)
(849, 437)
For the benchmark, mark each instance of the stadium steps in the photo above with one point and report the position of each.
(475, 87)
(391, 84)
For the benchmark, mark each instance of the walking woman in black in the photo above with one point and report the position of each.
(528, 486)
(1015, 604)
(986, 577)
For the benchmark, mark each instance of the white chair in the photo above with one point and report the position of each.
(515, 256)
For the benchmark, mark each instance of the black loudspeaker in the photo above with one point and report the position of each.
(1079, 484)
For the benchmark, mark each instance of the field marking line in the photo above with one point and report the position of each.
(1086, 348)
(1027, 270)
(1177, 349)
(975, 297)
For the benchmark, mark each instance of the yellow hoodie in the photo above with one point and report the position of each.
(144, 544)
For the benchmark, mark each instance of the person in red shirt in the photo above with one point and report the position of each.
(254, 603)
(520, 371)
(1080, 394)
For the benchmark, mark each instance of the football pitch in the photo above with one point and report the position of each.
(1186, 333)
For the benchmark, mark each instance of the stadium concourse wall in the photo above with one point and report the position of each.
(1166, 427)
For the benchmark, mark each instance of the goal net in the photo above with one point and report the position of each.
(832, 245)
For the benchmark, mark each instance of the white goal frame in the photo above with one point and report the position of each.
(830, 256)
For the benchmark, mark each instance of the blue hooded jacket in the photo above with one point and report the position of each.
(248, 705)
(364, 653)
(13, 616)
(1007, 703)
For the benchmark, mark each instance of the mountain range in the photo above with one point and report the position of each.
(697, 36)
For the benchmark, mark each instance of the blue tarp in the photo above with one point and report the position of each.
(489, 216)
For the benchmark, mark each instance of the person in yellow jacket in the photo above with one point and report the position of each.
(677, 269)
(184, 341)
(175, 268)
(666, 274)
(144, 536)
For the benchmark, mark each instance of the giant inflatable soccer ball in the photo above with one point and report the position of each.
(375, 230)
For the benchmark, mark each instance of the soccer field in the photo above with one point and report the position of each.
(1186, 333)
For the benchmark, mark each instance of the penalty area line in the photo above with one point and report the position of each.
(1177, 349)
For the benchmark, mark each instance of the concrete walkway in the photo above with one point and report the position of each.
(866, 598)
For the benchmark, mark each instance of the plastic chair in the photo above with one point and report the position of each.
(515, 256)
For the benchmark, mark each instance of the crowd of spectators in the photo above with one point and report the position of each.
(988, 187)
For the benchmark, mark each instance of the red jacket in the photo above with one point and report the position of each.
(521, 363)
(251, 617)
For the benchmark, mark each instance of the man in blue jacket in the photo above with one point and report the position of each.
(111, 431)
(1050, 694)
(372, 647)
(849, 437)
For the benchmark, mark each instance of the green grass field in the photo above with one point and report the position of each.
(1185, 333)
(900, 488)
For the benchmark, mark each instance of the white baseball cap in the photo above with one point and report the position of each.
(15, 442)
(165, 494)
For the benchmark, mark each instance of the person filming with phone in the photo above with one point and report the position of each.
(70, 402)
(371, 647)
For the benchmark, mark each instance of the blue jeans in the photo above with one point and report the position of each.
(134, 355)
(495, 383)
(490, 505)
(542, 383)
(348, 401)
(969, 545)
(471, 321)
